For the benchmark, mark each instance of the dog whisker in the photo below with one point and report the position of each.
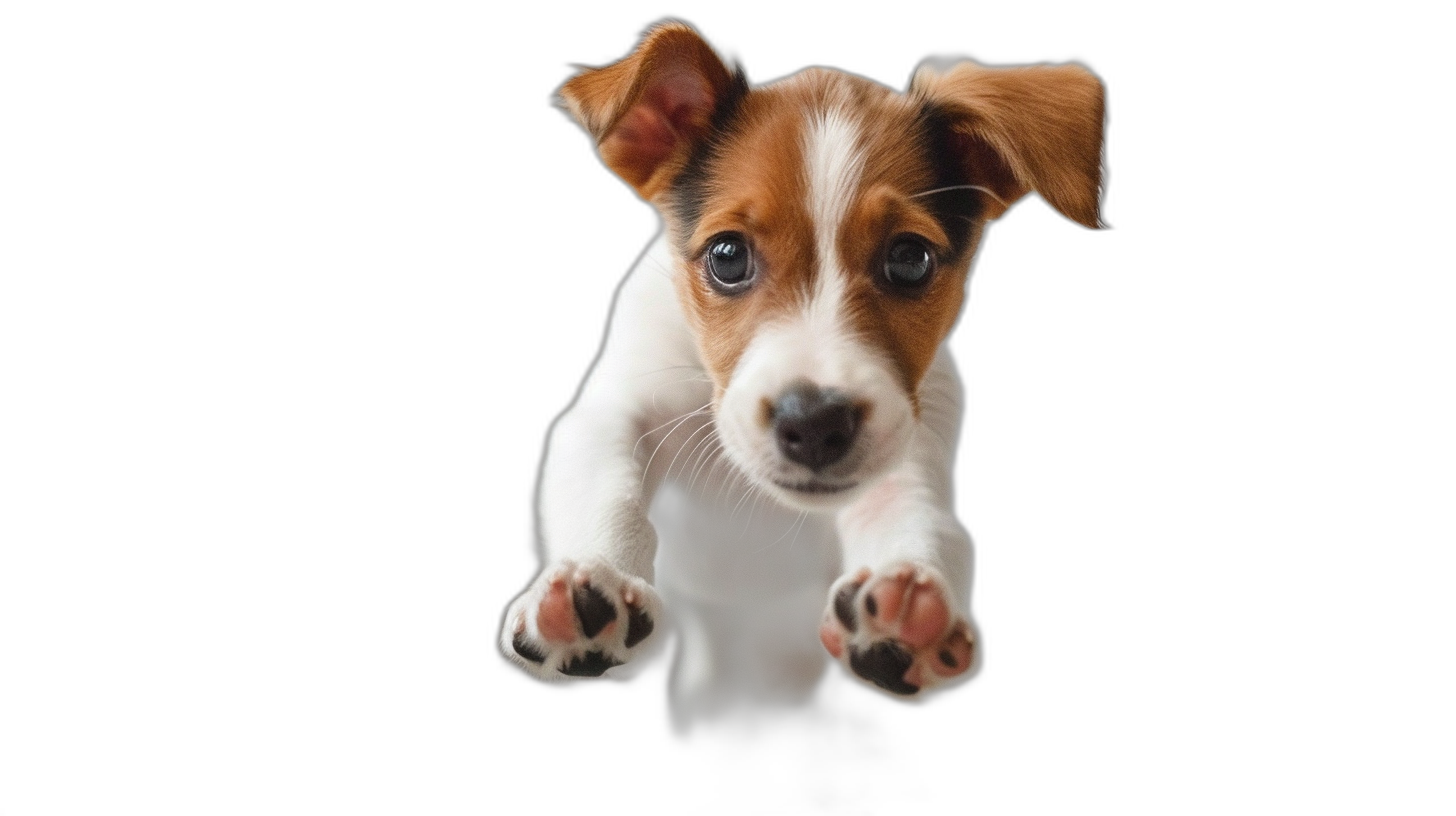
(670, 368)
(734, 481)
(750, 490)
(646, 468)
(794, 527)
(963, 187)
(703, 458)
(679, 419)
(803, 516)
(667, 474)
(759, 496)
(696, 453)
(756, 493)
(717, 457)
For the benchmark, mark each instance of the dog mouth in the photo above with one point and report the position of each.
(814, 487)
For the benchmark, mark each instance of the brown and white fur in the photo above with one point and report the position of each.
(787, 434)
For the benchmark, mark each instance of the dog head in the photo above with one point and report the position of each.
(823, 228)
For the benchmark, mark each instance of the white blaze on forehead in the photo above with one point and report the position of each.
(833, 162)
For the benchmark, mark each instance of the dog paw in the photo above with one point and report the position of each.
(895, 628)
(578, 620)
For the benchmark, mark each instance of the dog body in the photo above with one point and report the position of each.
(773, 401)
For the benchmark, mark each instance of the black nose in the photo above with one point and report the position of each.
(814, 427)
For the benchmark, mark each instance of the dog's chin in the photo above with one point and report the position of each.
(813, 494)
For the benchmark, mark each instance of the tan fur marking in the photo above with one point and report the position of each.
(908, 329)
(757, 189)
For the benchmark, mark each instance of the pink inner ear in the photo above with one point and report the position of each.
(644, 136)
(681, 96)
(675, 103)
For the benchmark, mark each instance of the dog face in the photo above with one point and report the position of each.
(823, 228)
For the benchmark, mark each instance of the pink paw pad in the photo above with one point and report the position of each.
(897, 630)
(909, 609)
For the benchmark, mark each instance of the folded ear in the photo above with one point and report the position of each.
(647, 110)
(1018, 129)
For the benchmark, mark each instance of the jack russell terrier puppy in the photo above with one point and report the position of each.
(773, 400)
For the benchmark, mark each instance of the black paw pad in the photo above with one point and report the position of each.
(591, 664)
(884, 664)
(526, 648)
(844, 604)
(592, 609)
(639, 626)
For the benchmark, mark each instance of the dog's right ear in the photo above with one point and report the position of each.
(647, 110)
(1033, 127)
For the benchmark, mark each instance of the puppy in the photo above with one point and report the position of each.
(773, 401)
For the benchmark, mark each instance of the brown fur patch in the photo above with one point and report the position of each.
(1042, 123)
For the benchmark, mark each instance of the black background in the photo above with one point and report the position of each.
(479, 245)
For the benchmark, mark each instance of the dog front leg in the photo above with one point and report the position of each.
(899, 617)
(593, 604)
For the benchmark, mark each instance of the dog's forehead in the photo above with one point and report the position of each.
(762, 160)
(781, 118)
(815, 91)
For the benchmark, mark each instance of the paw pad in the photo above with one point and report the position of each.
(885, 664)
(895, 629)
(593, 611)
(567, 622)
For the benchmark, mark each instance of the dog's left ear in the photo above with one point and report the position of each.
(647, 110)
(1036, 127)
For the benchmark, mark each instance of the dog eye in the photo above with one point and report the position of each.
(730, 263)
(908, 262)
